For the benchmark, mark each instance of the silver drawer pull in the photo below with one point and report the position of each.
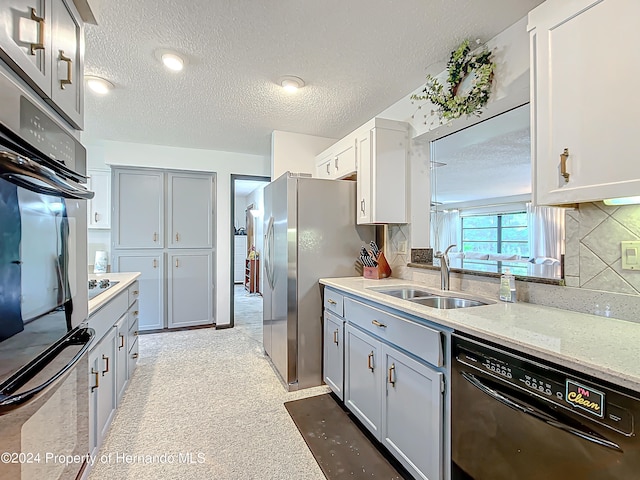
(391, 377)
(370, 364)
(331, 302)
(335, 337)
(378, 324)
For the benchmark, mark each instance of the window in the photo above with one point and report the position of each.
(501, 233)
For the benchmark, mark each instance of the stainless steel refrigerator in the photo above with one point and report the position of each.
(310, 233)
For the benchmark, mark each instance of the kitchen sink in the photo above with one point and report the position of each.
(405, 293)
(447, 302)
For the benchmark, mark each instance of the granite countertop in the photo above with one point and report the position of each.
(605, 348)
(124, 279)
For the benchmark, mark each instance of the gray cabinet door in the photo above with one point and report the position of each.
(413, 414)
(190, 285)
(190, 210)
(363, 382)
(102, 388)
(25, 40)
(151, 281)
(122, 350)
(139, 197)
(67, 87)
(333, 368)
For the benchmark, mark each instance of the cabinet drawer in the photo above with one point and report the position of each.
(421, 341)
(134, 292)
(102, 320)
(334, 301)
(133, 329)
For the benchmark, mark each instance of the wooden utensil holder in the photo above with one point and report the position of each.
(383, 270)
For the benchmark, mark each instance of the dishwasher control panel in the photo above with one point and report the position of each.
(548, 384)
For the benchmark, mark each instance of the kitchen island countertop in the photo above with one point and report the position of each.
(605, 348)
(124, 279)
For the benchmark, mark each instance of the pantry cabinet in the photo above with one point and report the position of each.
(43, 42)
(150, 264)
(99, 207)
(163, 228)
(138, 208)
(583, 105)
(190, 288)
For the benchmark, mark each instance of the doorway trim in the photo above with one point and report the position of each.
(234, 177)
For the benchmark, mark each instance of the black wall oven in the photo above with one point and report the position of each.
(44, 339)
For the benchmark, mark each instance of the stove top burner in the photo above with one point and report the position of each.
(96, 287)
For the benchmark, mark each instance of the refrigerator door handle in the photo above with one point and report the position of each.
(268, 247)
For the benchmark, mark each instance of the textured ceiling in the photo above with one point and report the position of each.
(357, 57)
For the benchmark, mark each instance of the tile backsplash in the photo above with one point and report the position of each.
(593, 255)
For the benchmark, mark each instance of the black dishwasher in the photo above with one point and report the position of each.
(514, 417)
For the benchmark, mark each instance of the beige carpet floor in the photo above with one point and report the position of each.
(209, 401)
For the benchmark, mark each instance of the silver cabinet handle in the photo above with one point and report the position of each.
(563, 164)
(177, 237)
(328, 167)
(336, 161)
(97, 378)
(177, 265)
(134, 355)
(332, 302)
(155, 236)
(362, 205)
(391, 378)
(378, 324)
(335, 337)
(95, 217)
(121, 346)
(155, 263)
(106, 360)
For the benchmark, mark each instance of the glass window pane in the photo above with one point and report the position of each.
(480, 221)
(484, 247)
(483, 234)
(514, 220)
(516, 248)
(515, 233)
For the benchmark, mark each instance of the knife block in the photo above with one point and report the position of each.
(383, 270)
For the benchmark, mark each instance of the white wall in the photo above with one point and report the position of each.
(240, 216)
(511, 89)
(257, 198)
(222, 163)
(295, 152)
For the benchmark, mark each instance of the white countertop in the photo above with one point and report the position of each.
(605, 348)
(124, 279)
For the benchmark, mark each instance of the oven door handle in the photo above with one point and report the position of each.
(31, 175)
(9, 400)
(507, 400)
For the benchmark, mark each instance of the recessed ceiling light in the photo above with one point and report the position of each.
(98, 84)
(290, 83)
(172, 61)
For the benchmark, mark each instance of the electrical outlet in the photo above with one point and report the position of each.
(402, 247)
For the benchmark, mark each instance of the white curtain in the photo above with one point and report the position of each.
(546, 231)
(445, 229)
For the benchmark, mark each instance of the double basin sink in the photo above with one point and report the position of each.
(430, 299)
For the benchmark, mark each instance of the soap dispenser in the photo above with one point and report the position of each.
(507, 286)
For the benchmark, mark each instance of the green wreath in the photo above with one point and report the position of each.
(462, 63)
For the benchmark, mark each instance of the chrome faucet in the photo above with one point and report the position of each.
(444, 267)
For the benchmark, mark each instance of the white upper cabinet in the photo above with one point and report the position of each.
(339, 160)
(139, 198)
(583, 64)
(99, 208)
(43, 42)
(190, 214)
(382, 172)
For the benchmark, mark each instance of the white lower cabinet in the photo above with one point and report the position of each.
(396, 390)
(110, 360)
